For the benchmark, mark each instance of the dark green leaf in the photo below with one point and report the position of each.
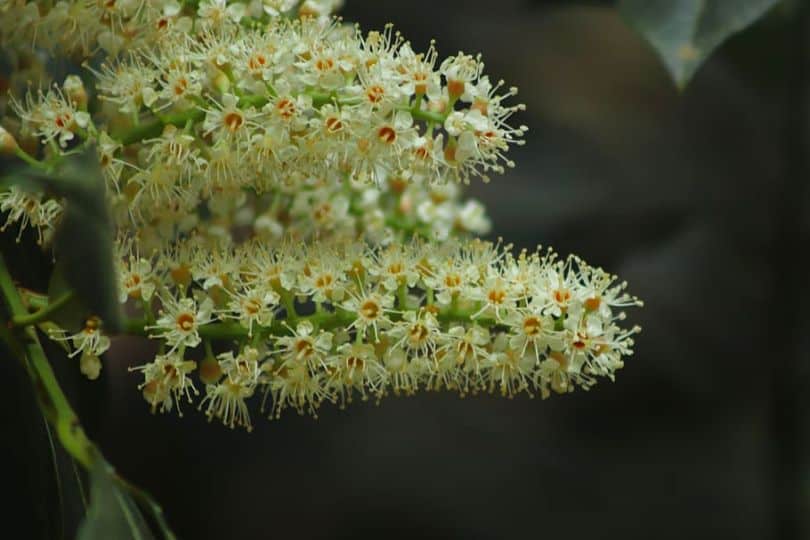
(112, 513)
(83, 243)
(686, 32)
(73, 315)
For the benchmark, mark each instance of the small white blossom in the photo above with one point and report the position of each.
(180, 320)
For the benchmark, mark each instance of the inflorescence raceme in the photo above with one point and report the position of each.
(267, 110)
(328, 322)
(287, 194)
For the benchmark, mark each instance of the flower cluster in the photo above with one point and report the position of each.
(85, 26)
(313, 127)
(318, 101)
(26, 209)
(287, 195)
(304, 324)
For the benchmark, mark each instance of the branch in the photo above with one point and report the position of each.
(43, 313)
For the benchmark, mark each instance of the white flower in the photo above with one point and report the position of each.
(89, 339)
(459, 71)
(472, 217)
(356, 367)
(463, 353)
(180, 320)
(319, 8)
(130, 85)
(294, 385)
(305, 346)
(228, 120)
(371, 309)
(54, 117)
(226, 401)
(275, 8)
(509, 371)
(180, 83)
(322, 278)
(395, 266)
(243, 367)
(136, 280)
(166, 381)
(213, 13)
(30, 209)
(451, 278)
(497, 295)
(532, 331)
(254, 306)
(418, 333)
(403, 375)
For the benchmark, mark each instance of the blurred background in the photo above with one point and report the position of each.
(699, 200)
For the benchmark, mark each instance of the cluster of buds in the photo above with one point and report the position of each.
(287, 193)
(304, 324)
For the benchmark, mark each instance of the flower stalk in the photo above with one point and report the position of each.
(25, 345)
(42, 314)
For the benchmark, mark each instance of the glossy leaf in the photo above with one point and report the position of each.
(112, 512)
(685, 32)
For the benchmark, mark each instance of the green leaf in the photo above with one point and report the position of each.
(112, 513)
(686, 32)
(73, 315)
(83, 243)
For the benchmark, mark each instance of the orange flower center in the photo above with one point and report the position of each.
(303, 347)
(354, 362)
(234, 120)
(592, 304)
(333, 124)
(496, 296)
(387, 134)
(285, 108)
(532, 326)
(561, 296)
(180, 86)
(375, 93)
(185, 322)
(418, 333)
(370, 310)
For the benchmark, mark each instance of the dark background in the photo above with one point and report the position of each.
(698, 199)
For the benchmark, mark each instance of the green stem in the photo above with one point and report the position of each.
(402, 297)
(288, 301)
(52, 400)
(43, 313)
(154, 127)
(326, 320)
(427, 116)
(25, 345)
(31, 160)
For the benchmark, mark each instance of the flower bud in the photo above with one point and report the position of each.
(74, 88)
(220, 82)
(180, 275)
(210, 371)
(8, 144)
